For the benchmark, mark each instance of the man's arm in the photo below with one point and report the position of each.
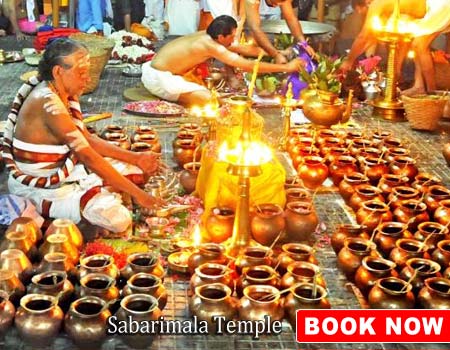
(11, 8)
(292, 20)
(247, 50)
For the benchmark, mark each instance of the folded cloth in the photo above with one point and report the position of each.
(12, 206)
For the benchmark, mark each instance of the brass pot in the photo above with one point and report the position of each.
(393, 152)
(219, 224)
(350, 257)
(437, 232)
(364, 193)
(411, 212)
(254, 275)
(267, 223)
(143, 262)
(325, 110)
(302, 272)
(184, 151)
(151, 139)
(20, 241)
(259, 302)
(391, 293)
(387, 233)
(302, 297)
(296, 194)
(400, 194)
(213, 300)
(99, 285)
(405, 249)
(372, 213)
(254, 256)
(334, 153)
(209, 273)
(300, 151)
(442, 213)
(341, 166)
(98, 263)
(59, 243)
(207, 252)
(313, 171)
(145, 283)
(423, 181)
(442, 254)
(7, 311)
(118, 139)
(422, 268)
(57, 262)
(374, 168)
(10, 284)
(16, 261)
(392, 142)
(54, 283)
(380, 135)
(371, 270)
(347, 187)
(86, 322)
(359, 146)
(141, 147)
(404, 166)
(345, 231)
(389, 181)
(138, 308)
(68, 228)
(301, 221)
(435, 294)
(112, 128)
(28, 225)
(188, 177)
(142, 130)
(38, 319)
(292, 252)
(434, 196)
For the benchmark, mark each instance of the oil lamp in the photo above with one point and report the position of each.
(287, 104)
(208, 113)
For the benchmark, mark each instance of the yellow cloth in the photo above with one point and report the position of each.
(142, 30)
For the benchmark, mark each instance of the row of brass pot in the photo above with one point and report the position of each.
(39, 319)
(144, 138)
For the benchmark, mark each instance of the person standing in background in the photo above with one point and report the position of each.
(90, 15)
(127, 12)
(210, 9)
(183, 16)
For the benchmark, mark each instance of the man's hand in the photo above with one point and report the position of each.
(149, 162)
(310, 51)
(280, 59)
(149, 202)
(295, 65)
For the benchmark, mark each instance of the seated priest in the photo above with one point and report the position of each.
(55, 162)
(169, 74)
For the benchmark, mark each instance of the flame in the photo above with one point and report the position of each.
(411, 54)
(401, 24)
(196, 236)
(245, 153)
(207, 111)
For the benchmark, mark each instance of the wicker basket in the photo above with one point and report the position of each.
(92, 41)
(442, 75)
(424, 111)
(98, 60)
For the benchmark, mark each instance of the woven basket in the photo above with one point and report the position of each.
(98, 60)
(442, 75)
(423, 111)
(92, 41)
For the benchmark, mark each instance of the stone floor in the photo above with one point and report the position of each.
(425, 147)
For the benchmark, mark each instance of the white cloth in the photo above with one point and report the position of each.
(30, 10)
(165, 84)
(154, 9)
(436, 20)
(218, 7)
(183, 16)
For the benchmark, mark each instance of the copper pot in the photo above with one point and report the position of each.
(442, 213)
(392, 142)
(302, 296)
(353, 135)
(11, 284)
(405, 249)
(301, 221)
(143, 130)
(364, 193)
(118, 139)
(253, 256)
(112, 128)
(324, 134)
(38, 319)
(267, 223)
(259, 302)
(294, 135)
(423, 181)
(191, 127)
(334, 153)
(66, 227)
(372, 213)
(348, 185)
(142, 262)
(389, 181)
(138, 308)
(99, 285)
(184, 152)
(442, 254)
(145, 283)
(54, 283)
(327, 143)
(59, 243)
(372, 269)
(188, 177)
(151, 139)
(20, 241)
(86, 322)
(254, 275)
(346, 231)
(411, 212)
(341, 166)
(209, 273)
(350, 257)
(374, 168)
(391, 293)
(16, 261)
(219, 224)
(28, 225)
(7, 311)
(313, 171)
(141, 147)
(435, 294)
(446, 153)
(292, 252)
(296, 194)
(387, 233)
(98, 263)
(434, 196)
(207, 252)
(293, 182)
(422, 268)
(400, 194)
(359, 145)
(300, 151)
(405, 166)
(213, 300)
(302, 272)
(437, 232)
(380, 135)
(391, 153)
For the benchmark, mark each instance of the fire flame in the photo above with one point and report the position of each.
(207, 111)
(399, 25)
(196, 236)
(252, 153)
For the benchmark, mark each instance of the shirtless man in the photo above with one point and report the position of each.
(14, 10)
(163, 76)
(47, 148)
(253, 21)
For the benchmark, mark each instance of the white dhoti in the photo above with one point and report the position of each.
(166, 85)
